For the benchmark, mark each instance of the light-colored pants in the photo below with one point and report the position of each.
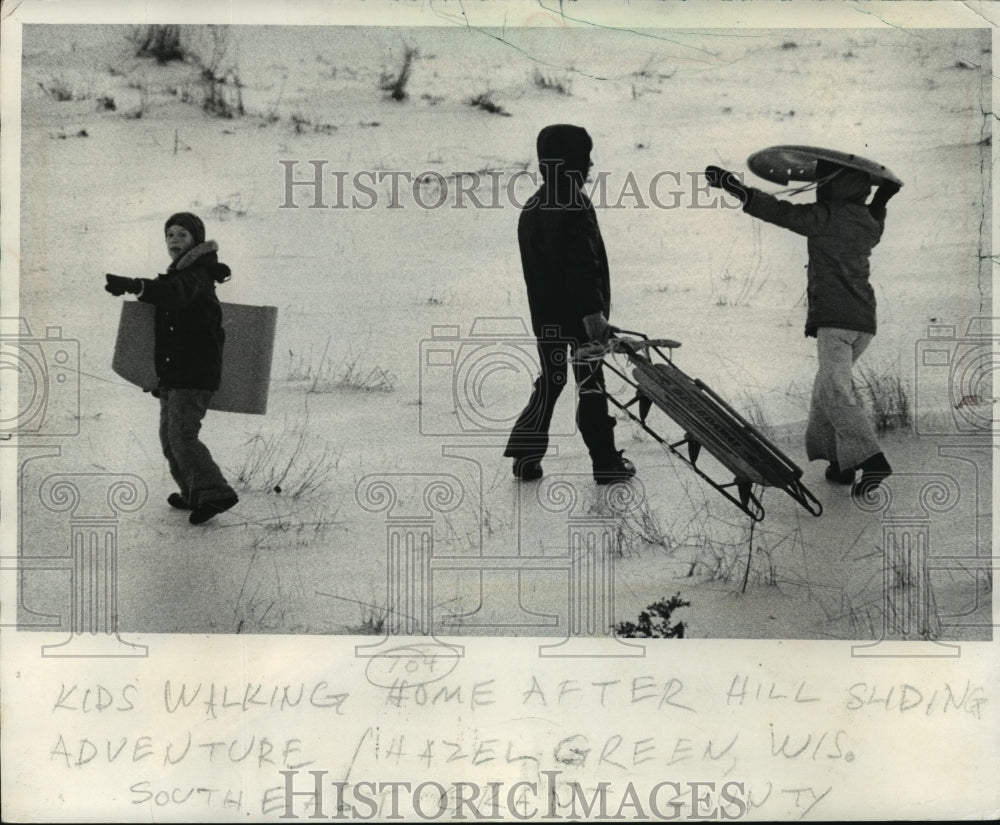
(839, 428)
(198, 477)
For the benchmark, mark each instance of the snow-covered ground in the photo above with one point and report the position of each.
(361, 290)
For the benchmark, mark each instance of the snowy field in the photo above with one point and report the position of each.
(366, 440)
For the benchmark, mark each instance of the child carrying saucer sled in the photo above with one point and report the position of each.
(841, 230)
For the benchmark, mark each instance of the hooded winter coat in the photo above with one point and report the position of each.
(189, 336)
(562, 253)
(841, 233)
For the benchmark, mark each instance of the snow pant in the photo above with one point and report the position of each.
(197, 476)
(530, 436)
(839, 428)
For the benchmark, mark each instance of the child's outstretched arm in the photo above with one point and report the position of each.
(803, 219)
(184, 288)
(724, 179)
(117, 285)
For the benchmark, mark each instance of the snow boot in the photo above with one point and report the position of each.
(527, 469)
(615, 468)
(210, 509)
(837, 476)
(178, 502)
(874, 471)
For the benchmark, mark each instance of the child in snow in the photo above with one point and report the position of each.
(841, 232)
(188, 354)
(569, 296)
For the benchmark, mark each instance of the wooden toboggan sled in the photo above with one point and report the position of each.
(708, 422)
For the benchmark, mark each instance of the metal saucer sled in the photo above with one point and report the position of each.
(781, 164)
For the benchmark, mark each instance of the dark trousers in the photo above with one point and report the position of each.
(197, 476)
(530, 435)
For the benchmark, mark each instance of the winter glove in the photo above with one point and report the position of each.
(597, 327)
(723, 178)
(884, 192)
(118, 285)
(877, 206)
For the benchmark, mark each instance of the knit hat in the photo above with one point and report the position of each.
(189, 221)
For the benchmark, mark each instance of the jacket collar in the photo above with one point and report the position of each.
(194, 253)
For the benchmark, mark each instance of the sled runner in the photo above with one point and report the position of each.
(781, 164)
(707, 420)
(246, 357)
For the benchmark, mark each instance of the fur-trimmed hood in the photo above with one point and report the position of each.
(205, 254)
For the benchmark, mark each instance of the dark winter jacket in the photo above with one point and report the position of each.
(188, 334)
(564, 261)
(841, 235)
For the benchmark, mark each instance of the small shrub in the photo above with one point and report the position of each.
(222, 96)
(485, 102)
(272, 114)
(219, 78)
(299, 366)
(59, 88)
(281, 464)
(163, 43)
(436, 300)
(373, 621)
(231, 207)
(395, 84)
(647, 72)
(885, 397)
(143, 107)
(638, 528)
(352, 374)
(752, 410)
(717, 561)
(106, 103)
(654, 621)
(789, 44)
(551, 83)
(303, 125)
